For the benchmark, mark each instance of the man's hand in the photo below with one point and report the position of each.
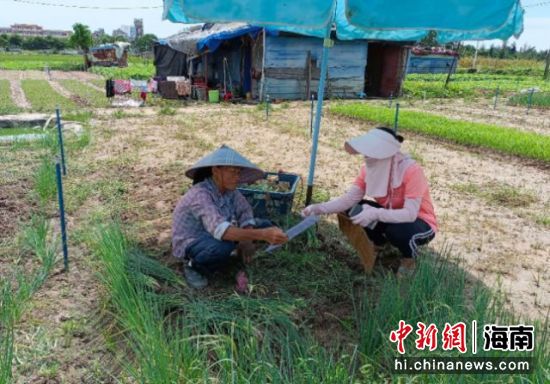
(274, 235)
(246, 250)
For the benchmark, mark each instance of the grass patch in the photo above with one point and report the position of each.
(7, 106)
(135, 70)
(543, 220)
(119, 114)
(44, 181)
(499, 194)
(35, 61)
(270, 335)
(85, 92)
(17, 290)
(506, 140)
(539, 99)
(44, 98)
(167, 111)
(17, 131)
(469, 85)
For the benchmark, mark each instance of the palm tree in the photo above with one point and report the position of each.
(82, 38)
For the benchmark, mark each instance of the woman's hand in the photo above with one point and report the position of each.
(366, 216)
(313, 209)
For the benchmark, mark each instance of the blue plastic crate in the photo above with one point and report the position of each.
(270, 205)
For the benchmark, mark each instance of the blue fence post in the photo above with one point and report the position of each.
(267, 107)
(60, 139)
(390, 100)
(496, 97)
(396, 121)
(62, 214)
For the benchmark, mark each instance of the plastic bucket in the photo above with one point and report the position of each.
(214, 96)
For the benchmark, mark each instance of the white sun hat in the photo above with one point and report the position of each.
(376, 143)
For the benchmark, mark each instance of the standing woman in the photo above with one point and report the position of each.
(401, 211)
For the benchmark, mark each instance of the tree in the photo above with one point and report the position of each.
(4, 41)
(15, 41)
(145, 43)
(546, 75)
(430, 40)
(104, 39)
(82, 39)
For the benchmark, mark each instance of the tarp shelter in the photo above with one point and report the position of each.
(264, 62)
(108, 55)
(209, 52)
(400, 20)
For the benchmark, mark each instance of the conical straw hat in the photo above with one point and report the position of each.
(225, 156)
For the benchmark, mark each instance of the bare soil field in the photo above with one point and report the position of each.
(501, 239)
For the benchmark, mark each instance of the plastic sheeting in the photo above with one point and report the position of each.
(169, 62)
(398, 20)
(193, 42)
(212, 42)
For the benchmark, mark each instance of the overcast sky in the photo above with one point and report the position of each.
(536, 23)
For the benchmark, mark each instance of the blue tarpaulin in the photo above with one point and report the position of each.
(212, 42)
(397, 20)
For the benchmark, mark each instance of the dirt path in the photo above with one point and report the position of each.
(17, 94)
(92, 85)
(61, 90)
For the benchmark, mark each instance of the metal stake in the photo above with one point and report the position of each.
(62, 214)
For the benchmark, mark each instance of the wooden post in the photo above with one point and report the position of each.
(474, 61)
(262, 80)
(308, 76)
(450, 71)
(206, 76)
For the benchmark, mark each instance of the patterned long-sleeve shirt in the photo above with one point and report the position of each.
(203, 209)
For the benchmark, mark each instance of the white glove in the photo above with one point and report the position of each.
(313, 209)
(339, 204)
(366, 216)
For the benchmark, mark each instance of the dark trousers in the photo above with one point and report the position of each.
(208, 254)
(404, 236)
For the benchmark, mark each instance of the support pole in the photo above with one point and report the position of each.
(327, 43)
(60, 140)
(62, 214)
(396, 120)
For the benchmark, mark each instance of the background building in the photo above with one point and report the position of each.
(33, 30)
(138, 25)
